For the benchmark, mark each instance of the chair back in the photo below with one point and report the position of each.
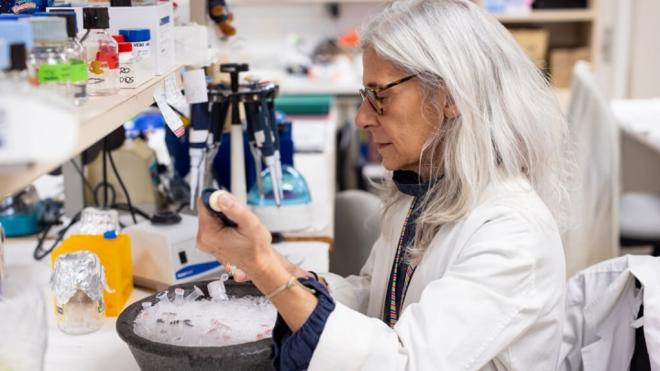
(594, 232)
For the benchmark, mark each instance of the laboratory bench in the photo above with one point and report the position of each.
(103, 349)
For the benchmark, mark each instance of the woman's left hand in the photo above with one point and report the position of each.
(248, 246)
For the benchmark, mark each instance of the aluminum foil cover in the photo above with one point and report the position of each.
(80, 270)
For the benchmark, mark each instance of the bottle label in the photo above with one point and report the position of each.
(50, 73)
(78, 71)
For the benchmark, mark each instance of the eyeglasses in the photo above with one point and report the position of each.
(371, 94)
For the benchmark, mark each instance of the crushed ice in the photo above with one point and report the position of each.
(220, 321)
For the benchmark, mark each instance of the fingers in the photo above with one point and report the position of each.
(238, 212)
(240, 276)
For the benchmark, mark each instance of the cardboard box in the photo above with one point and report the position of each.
(534, 42)
(562, 62)
(159, 19)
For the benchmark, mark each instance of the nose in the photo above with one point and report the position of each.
(366, 116)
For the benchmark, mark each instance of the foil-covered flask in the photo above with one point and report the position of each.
(77, 283)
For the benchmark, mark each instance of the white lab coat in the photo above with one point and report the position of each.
(602, 304)
(487, 295)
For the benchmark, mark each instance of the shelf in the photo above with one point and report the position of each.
(98, 117)
(548, 16)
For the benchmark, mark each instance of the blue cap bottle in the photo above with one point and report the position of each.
(136, 34)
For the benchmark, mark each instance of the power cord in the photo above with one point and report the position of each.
(39, 252)
(123, 187)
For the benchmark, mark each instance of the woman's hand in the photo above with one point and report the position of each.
(248, 246)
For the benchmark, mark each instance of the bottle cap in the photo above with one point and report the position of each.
(96, 18)
(125, 47)
(48, 29)
(4, 55)
(17, 57)
(71, 21)
(119, 38)
(136, 34)
(16, 32)
(110, 235)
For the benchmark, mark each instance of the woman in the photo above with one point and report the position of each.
(468, 273)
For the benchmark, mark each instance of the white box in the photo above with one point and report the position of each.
(159, 19)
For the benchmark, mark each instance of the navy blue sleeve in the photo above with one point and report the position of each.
(293, 351)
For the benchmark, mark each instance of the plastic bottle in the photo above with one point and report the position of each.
(126, 67)
(75, 53)
(141, 40)
(48, 65)
(102, 53)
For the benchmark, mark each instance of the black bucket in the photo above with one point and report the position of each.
(152, 356)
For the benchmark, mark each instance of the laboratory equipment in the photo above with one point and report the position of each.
(48, 65)
(167, 254)
(75, 54)
(77, 283)
(20, 213)
(141, 40)
(95, 221)
(114, 253)
(294, 211)
(102, 53)
(126, 66)
(210, 199)
(237, 158)
(255, 355)
(257, 98)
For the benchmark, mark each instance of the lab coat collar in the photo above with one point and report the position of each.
(647, 271)
(610, 317)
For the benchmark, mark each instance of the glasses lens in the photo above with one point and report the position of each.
(370, 97)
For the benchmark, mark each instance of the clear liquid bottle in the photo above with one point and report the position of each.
(75, 53)
(48, 65)
(102, 53)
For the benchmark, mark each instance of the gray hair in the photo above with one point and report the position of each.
(509, 124)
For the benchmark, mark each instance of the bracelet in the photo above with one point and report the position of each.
(293, 281)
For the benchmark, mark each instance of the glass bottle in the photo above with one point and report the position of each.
(102, 53)
(75, 53)
(48, 65)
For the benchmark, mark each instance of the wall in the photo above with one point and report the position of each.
(645, 63)
(264, 30)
